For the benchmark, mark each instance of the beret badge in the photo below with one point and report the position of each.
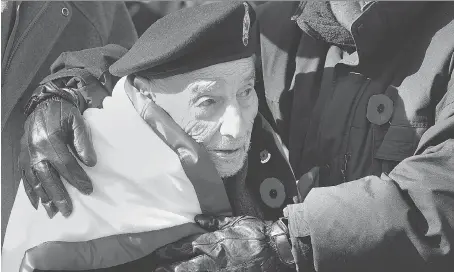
(246, 24)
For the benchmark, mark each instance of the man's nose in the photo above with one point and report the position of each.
(233, 124)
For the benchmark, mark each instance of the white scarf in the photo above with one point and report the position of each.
(139, 185)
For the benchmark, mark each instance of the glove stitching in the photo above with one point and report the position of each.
(26, 136)
(42, 188)
(48, 165)
(50, 91)
(237, 221)
(28, 145)
(77, 150)
(276, 250)
(61, 115)
(233, 223)
(48, 135)
(229, 238)
(244, 264)
(29, 191)
(58, 155)
(46, 101)
(200, 257)
(24, 170)
(273, 244)
(27, 186)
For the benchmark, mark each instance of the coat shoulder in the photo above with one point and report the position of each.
(104, 15)
(276, 9)
(275, 19)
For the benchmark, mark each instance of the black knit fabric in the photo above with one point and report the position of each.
(239, 196)
(318, 20)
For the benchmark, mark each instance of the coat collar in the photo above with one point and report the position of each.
(380, 27)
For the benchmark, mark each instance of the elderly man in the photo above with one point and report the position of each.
(191, 78)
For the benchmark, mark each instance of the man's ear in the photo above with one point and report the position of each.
(144, 86)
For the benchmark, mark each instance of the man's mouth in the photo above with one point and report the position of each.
(228, 153)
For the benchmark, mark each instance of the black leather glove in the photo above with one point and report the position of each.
(241, 243)
(55, 121)
(174, 257)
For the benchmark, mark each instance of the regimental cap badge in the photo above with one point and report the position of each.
(246, 24)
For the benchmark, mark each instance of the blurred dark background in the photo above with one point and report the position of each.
(145, 13)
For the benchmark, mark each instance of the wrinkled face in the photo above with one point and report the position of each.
(216, 106)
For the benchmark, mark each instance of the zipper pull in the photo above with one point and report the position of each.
(347, 157)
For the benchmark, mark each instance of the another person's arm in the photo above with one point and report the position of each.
(78, 80)
(404, 220)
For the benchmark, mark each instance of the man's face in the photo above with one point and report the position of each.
(216, 106)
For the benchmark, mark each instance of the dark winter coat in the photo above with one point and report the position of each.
(375, 123)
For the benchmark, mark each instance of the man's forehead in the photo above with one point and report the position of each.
(237, 71)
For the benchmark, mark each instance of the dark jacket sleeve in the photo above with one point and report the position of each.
(88, 71)
(400, 222)
(123, 31)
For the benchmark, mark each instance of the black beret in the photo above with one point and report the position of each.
(192, 38)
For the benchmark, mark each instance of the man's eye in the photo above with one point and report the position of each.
(245, 93)
(205, 102)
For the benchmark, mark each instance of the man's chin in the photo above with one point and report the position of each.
(227, 173)
(231, 167)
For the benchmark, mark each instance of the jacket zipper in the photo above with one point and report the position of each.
(21, 38)
(345, 167)
(11, 39)
(347, 154)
